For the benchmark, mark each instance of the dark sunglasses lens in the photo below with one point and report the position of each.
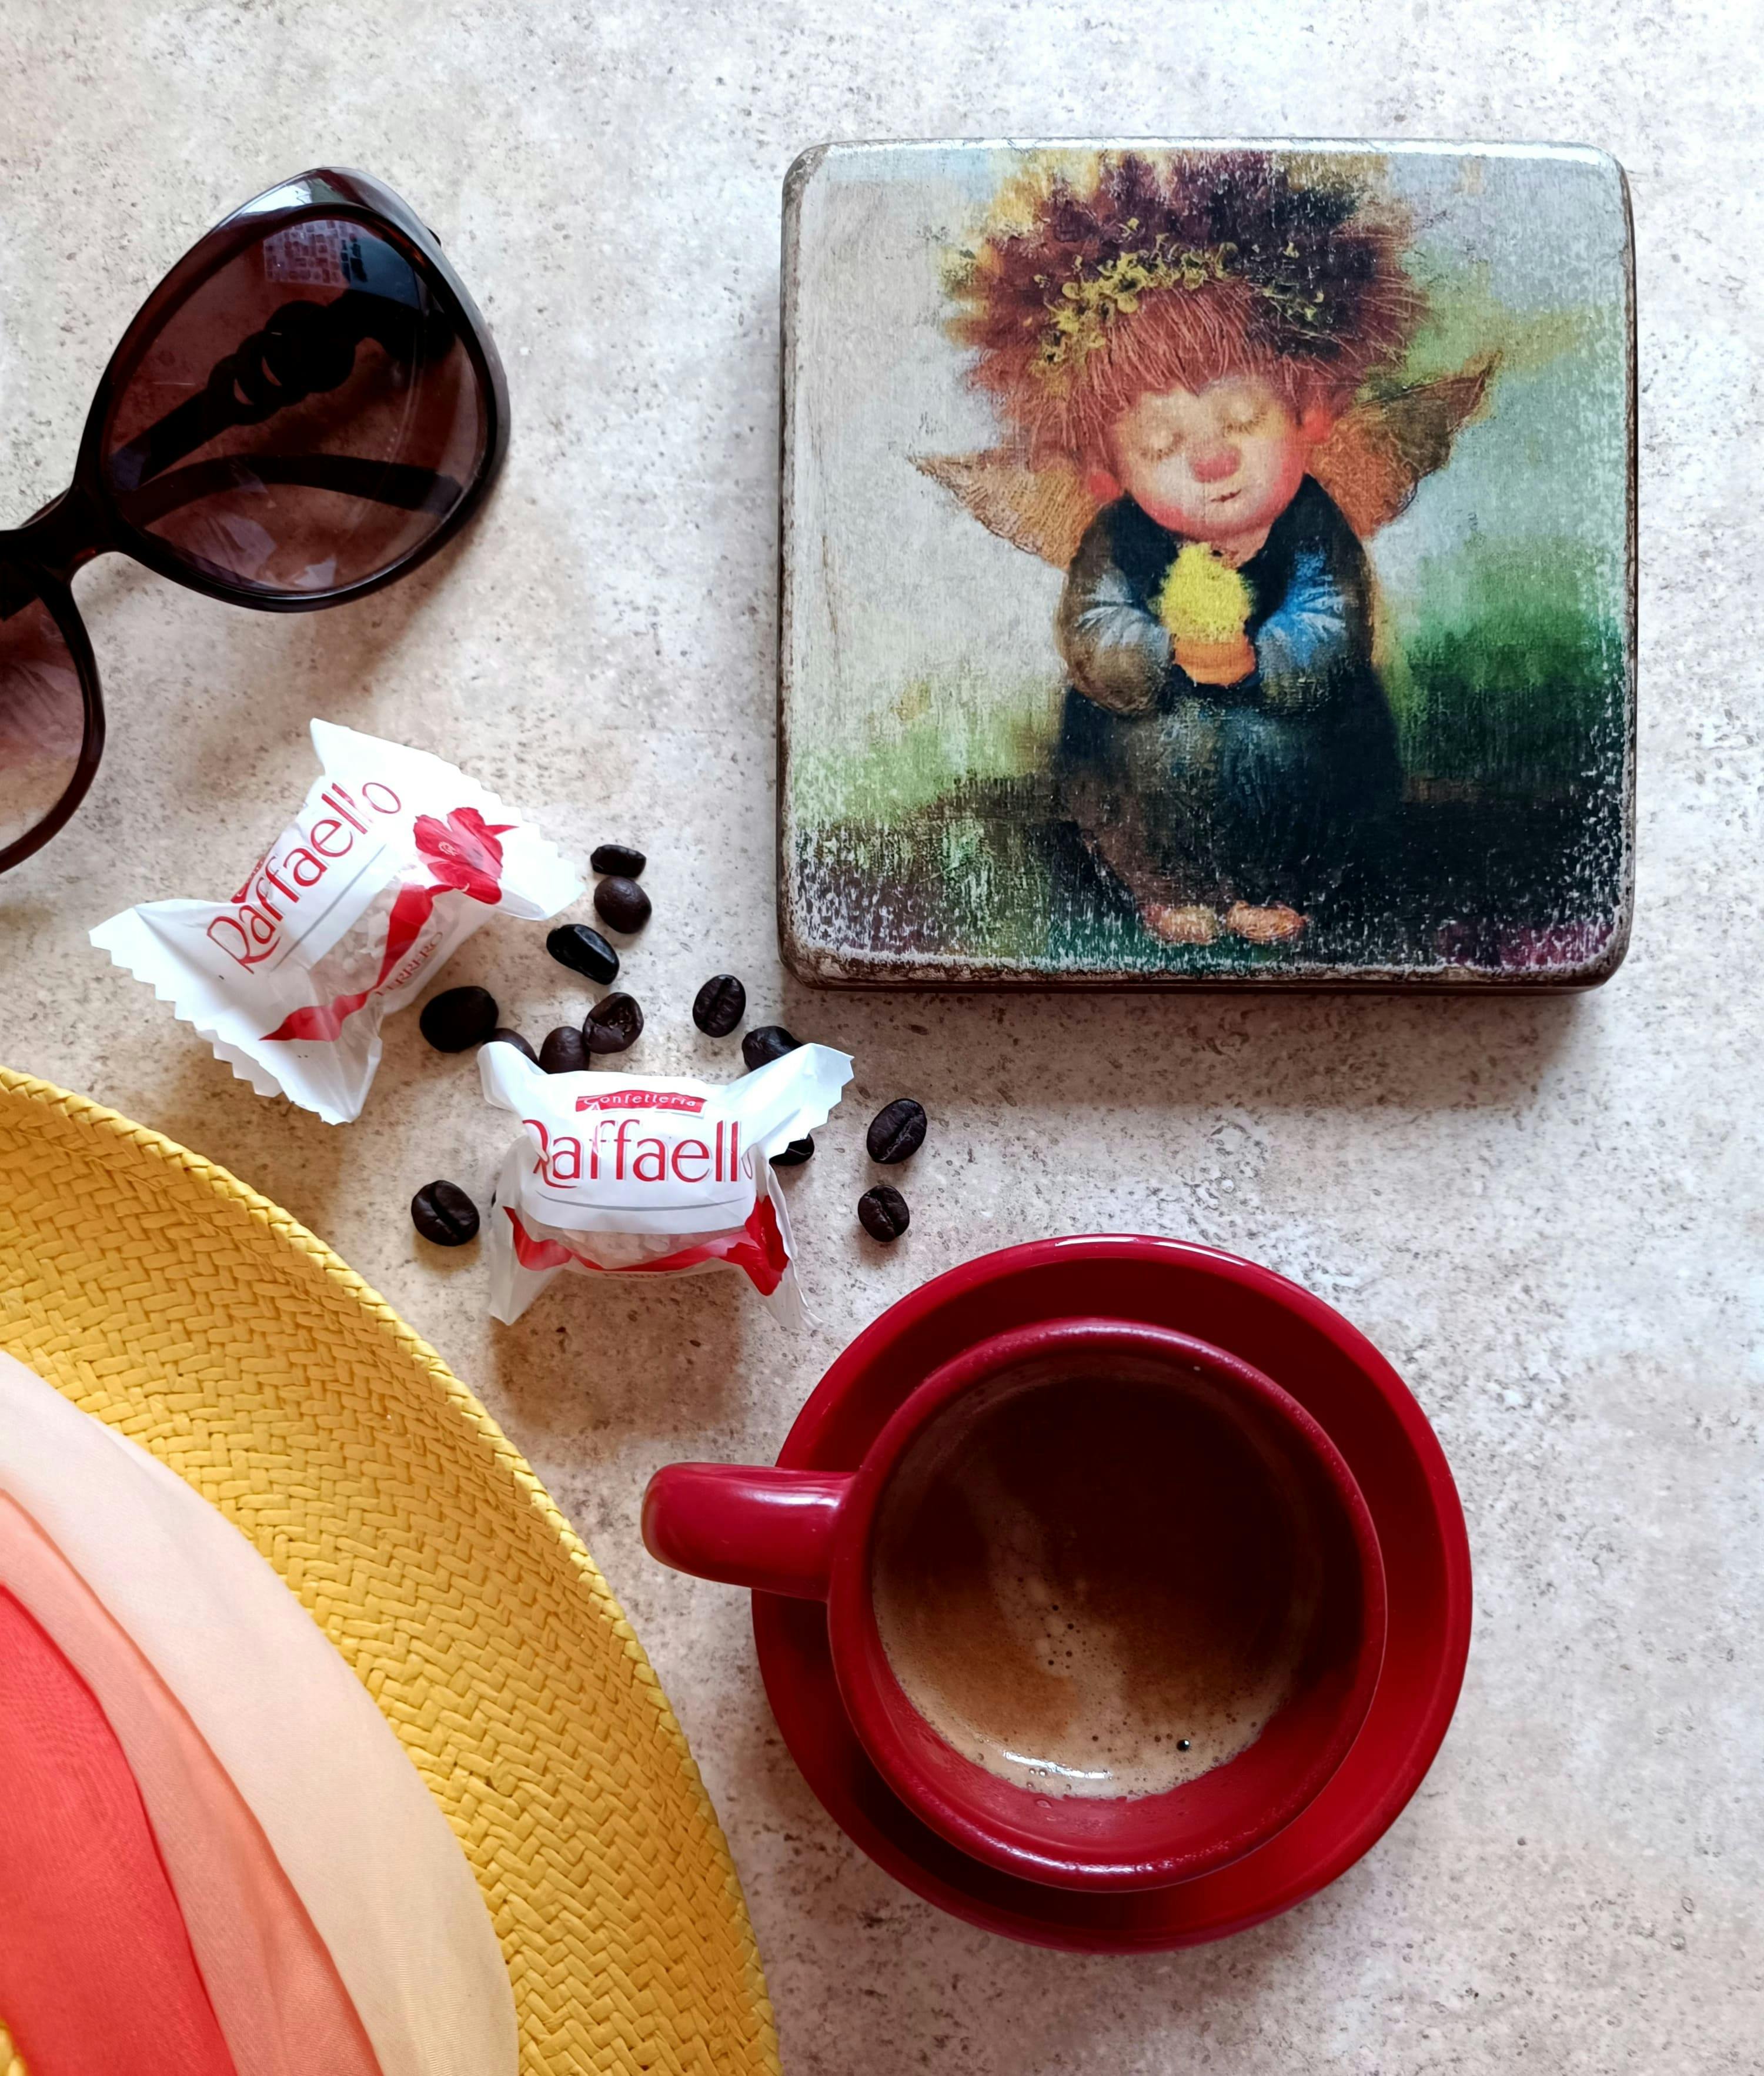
(305, 419)
(42, 711)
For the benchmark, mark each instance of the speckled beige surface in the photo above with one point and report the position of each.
(1545, 1211)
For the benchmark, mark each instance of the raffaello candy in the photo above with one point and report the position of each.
(395, 859)
(623, 1175)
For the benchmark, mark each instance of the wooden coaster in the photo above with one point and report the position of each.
(1389, 386)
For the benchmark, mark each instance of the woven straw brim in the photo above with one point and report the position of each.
(162, 1295)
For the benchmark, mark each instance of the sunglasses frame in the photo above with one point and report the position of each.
(83, 522)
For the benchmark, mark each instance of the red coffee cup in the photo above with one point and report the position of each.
(812, 1535)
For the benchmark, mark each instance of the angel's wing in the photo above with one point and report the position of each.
(1390, 437)
(1042, 510)
(1371, 464)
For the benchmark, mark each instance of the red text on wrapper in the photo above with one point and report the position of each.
(643, 1099)
(279, 883)
(610, 1153)
(462, 856)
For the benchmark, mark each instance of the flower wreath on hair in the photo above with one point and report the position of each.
(1086, 287)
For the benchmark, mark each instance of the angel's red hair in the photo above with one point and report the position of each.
(1170, 273)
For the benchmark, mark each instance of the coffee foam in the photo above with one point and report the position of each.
(1091, 1588)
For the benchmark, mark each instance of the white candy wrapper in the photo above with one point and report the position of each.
(625, 1175)
(395, 859)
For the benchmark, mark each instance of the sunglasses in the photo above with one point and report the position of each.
(308, 406)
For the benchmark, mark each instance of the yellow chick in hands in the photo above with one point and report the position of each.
(1204, 604)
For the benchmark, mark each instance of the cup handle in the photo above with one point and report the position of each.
(769, 1530)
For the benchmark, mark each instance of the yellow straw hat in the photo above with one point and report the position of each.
(160, 1293)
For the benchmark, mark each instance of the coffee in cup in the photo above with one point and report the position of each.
(1093, 1585)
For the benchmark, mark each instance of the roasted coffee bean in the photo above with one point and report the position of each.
(614, 1023)
(896, 1131)
(443, 1213)
(504, 1036)
(565, 1051)
(793, 1155)
(720, 1005)
(771, 1041)
(460, 1018)
(621, 903)
(583, 951)
(620, 858)
(882, 1213)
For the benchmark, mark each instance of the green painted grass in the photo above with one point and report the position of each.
(940, 834)
(1506, 681)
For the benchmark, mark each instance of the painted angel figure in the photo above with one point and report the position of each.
(1196, 360)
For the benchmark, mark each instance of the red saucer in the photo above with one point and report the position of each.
(1336, 1372)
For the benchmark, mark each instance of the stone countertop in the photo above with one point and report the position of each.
(1545, 1211)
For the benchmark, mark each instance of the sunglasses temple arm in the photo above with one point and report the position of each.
(400, 483)
(304, 350)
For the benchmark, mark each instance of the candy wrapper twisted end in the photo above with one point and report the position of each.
(619, 1175)
(394, 860)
